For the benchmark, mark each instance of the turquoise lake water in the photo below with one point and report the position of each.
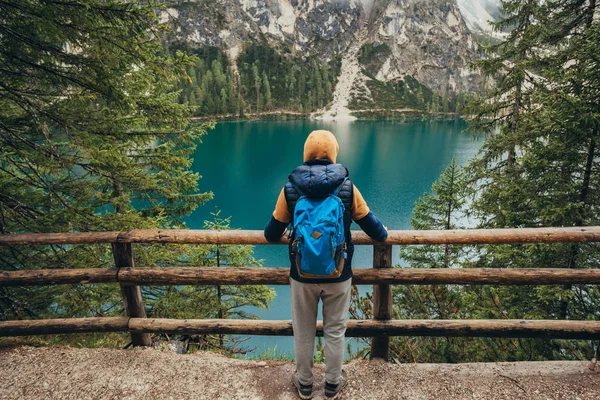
(245, 165)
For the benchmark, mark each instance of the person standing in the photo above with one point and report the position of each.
(318, 178)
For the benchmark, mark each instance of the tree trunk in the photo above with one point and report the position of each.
(514, 124)
(583, 195)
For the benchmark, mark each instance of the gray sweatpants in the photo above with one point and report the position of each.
(305, 303)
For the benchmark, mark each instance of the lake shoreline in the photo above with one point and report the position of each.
(359, 115)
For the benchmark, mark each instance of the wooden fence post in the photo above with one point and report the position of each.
(382, 301)
(132, 295)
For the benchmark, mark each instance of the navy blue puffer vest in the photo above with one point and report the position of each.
(317, 178)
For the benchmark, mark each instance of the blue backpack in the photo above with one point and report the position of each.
(319, 243)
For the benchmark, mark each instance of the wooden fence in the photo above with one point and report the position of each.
(381, 276)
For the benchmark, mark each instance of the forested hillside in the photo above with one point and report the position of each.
(265, 81)
(268, 81)
(286, 56)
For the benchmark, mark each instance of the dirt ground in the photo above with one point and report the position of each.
(74, 373)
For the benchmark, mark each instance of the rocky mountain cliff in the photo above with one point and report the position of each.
(426, 39)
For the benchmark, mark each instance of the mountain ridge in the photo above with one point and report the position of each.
(424, 39)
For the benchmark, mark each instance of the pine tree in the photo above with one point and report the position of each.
(319, 87)
(538, 168)
(240, 108)
(232, 105)
(217, 71)
(458, 108)
(312, 86)
(199, 94)
(573, 101)
(223, 102)
(84, 125)
(92, 138)
(420, 99)
(445, 102)
(192, 101)
(221, 301)
(292, 84)
(508, 64)
(257, 84)
(200, 70)
(302, 90)
(268, 100)
(327, 92)
(499, 114)
(443, 209)
(433, 106)
(192, 77)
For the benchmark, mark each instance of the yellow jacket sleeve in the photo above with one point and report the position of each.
(281, 213)
(360, 209)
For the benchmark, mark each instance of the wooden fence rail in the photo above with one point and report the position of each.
(166, 276)
(404, 237)
(130, 278)
(508, 328)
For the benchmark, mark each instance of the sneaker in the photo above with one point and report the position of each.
(332, 391)
(304, 391)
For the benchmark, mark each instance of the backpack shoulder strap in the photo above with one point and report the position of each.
(346, 193)
(337, 191)
(292, 195)
(296, 188)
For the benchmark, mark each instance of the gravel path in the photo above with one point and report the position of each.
(73, 373)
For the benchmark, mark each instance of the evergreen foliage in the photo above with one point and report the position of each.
(221, 301)
(539, 166)
(443, 209)
(95, 135)
(209, 85)
(93, 138)
(273, 78)
(268, 81)
(407, 93)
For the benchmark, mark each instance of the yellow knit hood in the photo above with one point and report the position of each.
(321, 144)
